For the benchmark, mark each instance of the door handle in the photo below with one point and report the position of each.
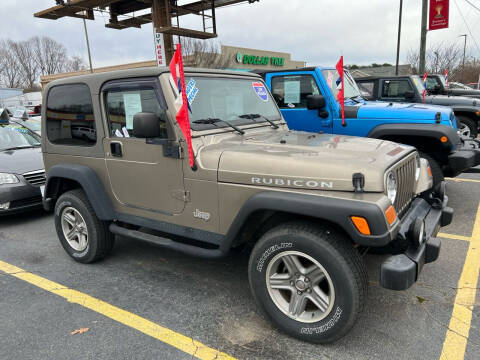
(116, 149)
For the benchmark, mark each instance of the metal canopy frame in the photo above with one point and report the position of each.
(165, 11)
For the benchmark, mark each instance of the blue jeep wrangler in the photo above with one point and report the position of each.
(308, 100)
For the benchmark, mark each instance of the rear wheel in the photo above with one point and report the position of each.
(83, 236)
(309, 280)
(437, 172)
(468, 127)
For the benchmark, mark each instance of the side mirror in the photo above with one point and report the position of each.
(315, 102)
(409, 95)
(146, 125)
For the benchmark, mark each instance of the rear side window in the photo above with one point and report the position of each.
(292, 91)
(70, 119)
(395, 88)
(367, 89)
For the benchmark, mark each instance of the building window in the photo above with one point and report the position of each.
(292, 91)
(122, 105)
(70, 119)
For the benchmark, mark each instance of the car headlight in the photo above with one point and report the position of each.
(8, 179)
(391, 187)
(417, 170)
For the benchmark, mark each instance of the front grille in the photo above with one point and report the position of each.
(405, 174)
(35, 178)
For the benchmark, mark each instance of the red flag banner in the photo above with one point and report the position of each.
(341, 91)
(439, 11)
(446, 77)
(182, 117)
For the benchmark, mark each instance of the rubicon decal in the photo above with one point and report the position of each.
(300, 183)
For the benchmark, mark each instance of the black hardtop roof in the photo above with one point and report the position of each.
(263, 72)
(378, 77)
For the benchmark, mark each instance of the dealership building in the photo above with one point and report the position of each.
(233, 58)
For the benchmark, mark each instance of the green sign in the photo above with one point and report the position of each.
(260, 60)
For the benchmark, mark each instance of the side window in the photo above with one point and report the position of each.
(395, 88)
(70, 119)
(292, 91)
(367, 89)
(122, 105)
(431, 83)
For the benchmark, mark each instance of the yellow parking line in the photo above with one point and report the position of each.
(462, 180)
(454, 237)
(458, 330)
(170, 337)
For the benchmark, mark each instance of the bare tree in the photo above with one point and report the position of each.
(76, 63)
(51, 56)
(25, 57)
(204, 53)
(439, 57)
(10, 71)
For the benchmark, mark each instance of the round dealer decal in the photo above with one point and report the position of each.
(260, 90)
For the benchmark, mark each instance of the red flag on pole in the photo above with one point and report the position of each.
(178, 76)
(446, 77)
(424, 92)
(341, 92)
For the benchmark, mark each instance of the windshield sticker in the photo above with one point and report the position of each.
(133, 104)
(260, 90)
(16, 128)
(192, 91)
(292, 92)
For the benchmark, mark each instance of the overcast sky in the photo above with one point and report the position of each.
(316, 31)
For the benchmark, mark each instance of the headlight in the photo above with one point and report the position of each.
(8, 179)
(391, 187)
(417, 170)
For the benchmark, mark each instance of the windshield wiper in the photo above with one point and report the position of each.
(255, 116)
(20, 147)
(215, 120)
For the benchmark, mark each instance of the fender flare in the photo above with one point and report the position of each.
(334, 210)
(433, 131)
(88, 180)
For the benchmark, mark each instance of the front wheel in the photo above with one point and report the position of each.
(309, 280)
(467, 127)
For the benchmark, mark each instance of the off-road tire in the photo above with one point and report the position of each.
(437, 172)
(339, 258)
(100, 239)
(471, 124)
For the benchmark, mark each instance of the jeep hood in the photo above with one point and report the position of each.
(401, 111)
(301, 160)
(452, 100)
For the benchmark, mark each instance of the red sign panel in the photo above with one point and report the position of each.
(438, 14)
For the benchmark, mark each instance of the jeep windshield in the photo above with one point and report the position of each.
(228, 99)
(418, 83)
(351, 88)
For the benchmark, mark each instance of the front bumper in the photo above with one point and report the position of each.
(465, 156)
(21, 196)
(399, 272)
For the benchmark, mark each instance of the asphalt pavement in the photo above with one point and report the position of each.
(145, 302)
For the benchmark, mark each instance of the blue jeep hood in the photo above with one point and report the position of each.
(402, 111)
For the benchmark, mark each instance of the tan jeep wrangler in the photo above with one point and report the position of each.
(310, 204)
